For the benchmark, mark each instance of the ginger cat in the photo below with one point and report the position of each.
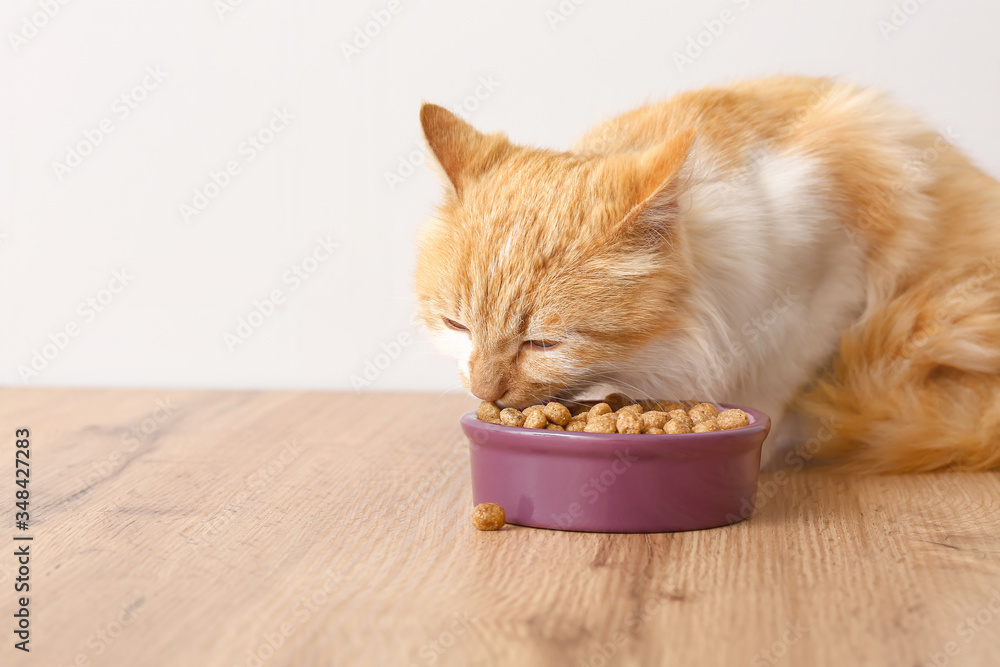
(793, 244)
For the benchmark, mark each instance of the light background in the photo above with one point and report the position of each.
(554, 69)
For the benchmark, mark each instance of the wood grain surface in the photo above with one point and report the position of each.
(277, 528)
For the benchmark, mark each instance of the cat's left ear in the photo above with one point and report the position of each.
(462, 151)
(658, 183)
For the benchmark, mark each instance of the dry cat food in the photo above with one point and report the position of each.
(488, 516)
(618, 414)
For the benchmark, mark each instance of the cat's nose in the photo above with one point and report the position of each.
(488, 375)
(489, 394)
(488, 389)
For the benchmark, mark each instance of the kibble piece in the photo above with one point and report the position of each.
(557, 413)
(532, 408)
(603, 423)
(634, 408)
(554, 427)
(655, 431)
(617, 401)
(676, 426)
(706, 426)
(628, 422)
(698, 415)
(488, 412)
(535, 419)
(488, 516)
(653, 419)
(672, 405)
(597, 410)
(734, 418)
(512, 417)
(709, 408)
(576, 425)
(681, 416)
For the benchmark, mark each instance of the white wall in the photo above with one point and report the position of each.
(63, 237)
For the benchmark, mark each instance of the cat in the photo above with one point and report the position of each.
(798, 245)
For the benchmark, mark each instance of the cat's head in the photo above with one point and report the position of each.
(542, 273)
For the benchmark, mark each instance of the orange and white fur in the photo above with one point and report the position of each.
(798, 245)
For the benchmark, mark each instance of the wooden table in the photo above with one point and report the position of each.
(277, 528)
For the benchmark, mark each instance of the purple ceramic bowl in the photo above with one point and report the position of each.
(617, 483)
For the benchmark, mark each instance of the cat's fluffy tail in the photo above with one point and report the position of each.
(916, 386)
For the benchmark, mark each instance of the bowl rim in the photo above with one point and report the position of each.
(578, 441)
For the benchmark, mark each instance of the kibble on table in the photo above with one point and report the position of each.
(488, 516)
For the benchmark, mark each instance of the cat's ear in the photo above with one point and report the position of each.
(463, 152)
(658, 183)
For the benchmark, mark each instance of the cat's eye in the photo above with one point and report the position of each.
(452, 324)
(541, 344)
